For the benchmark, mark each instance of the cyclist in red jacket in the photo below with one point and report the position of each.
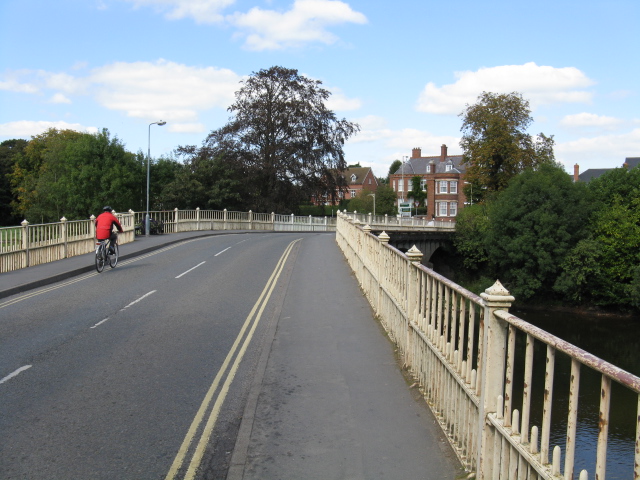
(104, 227)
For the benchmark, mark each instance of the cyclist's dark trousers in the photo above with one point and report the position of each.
(113, 239)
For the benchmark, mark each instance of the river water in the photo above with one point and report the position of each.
(616, 340)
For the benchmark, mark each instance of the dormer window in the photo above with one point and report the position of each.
(353, 177)
(448, 167)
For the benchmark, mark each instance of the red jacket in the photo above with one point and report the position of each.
(104, 225)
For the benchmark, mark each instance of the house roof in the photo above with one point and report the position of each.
(592, 173)
(418, 166)
(360, 173)
(633, 162)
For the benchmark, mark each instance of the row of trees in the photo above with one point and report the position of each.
(543, 235)
(280, 147)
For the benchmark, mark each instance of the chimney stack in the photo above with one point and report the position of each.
(443, 152)
(576, 173)
(416, 153)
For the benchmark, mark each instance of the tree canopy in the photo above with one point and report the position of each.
(9, 150)
(282, 143)
(73, 174)
(496, 145)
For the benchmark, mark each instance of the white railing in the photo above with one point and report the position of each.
(29, 245)
(461, 349)
(396, 221)
(174, 221)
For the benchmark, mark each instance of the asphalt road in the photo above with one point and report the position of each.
(135, 373)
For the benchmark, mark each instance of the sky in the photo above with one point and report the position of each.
(403, 70)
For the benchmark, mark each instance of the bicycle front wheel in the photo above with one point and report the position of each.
(113, 258)
(100, 258)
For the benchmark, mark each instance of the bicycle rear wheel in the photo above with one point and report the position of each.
(100, 257)
(113, 258)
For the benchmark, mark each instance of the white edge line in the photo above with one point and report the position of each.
(193, 268)
(18, 371)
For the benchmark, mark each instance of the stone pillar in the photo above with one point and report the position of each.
(25, 241)
(491, 371)
(63, 227)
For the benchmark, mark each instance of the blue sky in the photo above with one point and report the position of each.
(404, 70)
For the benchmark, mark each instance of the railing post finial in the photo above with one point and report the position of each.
(384, 238)
(415, 255)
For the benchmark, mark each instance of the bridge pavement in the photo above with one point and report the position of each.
(328, 400)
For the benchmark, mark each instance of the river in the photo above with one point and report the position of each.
(614, 339)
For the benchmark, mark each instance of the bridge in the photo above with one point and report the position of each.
(460, 349)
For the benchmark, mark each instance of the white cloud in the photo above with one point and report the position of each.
(187, 127)
(12, 83)
(604, 151)
(581, 120)
(306, 22)
(167, 90)
(59, 98)
(338, 101)
(538, 84)
(25, 128)
(201, 11)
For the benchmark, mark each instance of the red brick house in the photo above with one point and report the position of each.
(357, 179)
(441, 176)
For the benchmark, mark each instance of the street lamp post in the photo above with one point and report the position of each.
(374, 203)
(146, 218)
(471, 198)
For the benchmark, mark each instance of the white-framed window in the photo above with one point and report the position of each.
(340, 194)
(443, 186)
(448, 167)
(353, 177)
(369, 181)
(453, 186)
(428, 168)
(423, 184)
(353, 194)
(400, 185)
(442, 209)
(453, 209)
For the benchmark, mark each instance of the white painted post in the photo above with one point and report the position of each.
(25, 241)
(224, 219)
(63, 227)
(492, 373)
(176, 219)
(198, 218)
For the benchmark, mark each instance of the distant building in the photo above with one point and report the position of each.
(591, 173)
(441, 176)
(356, 179)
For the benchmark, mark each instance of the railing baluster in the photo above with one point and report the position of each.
(526, 394)
(603, 427)
(572, 419)
(548, 399)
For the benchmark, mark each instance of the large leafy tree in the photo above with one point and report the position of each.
(532, 226)
(496, 145)
(203, 180)
(9, 149)
(73, 174)
(385, 201)
(282, 140)
(604, 268)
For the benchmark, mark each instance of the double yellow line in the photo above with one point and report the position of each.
(227, 374)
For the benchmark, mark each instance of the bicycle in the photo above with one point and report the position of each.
(103, 256)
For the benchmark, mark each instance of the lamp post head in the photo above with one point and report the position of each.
(161, 122)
